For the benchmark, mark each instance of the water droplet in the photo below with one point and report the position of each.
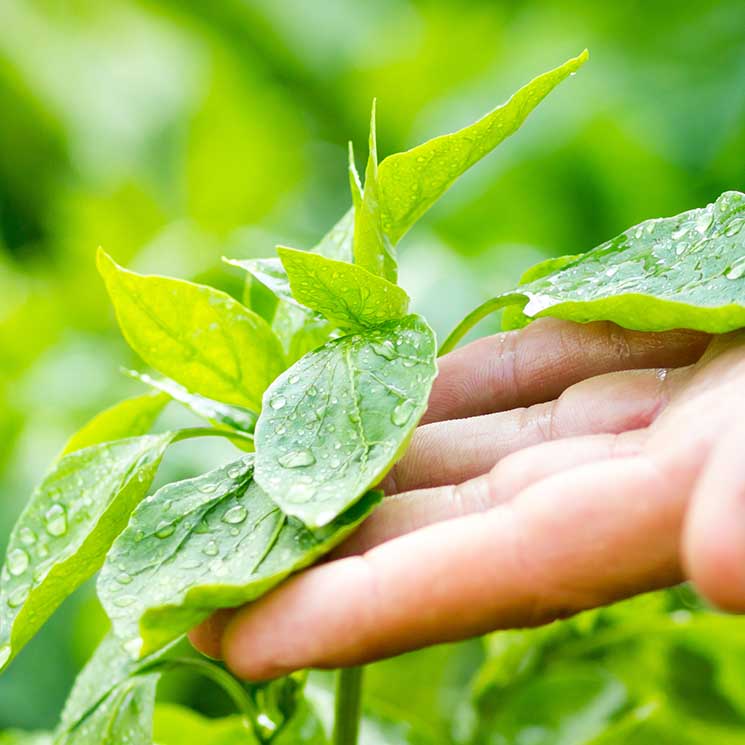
(27, 536)
(165, 529)
(124, 578)
(402, 413)
(235, 515)
(18, 596)
(736, 270)
(211, 549)
(208, 488)
(18, 561)
(734, 228)
(294, 379)
(125, 601)
(4, 655)
(56, 520)
(703, 221)
(312, 391)
(384, 350)
(235, 472)
(192, 564)
(296, 459)
(278, 402)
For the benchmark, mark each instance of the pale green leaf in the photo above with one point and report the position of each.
(686, 271)
(128, 418)
(346, 294)
(215, 541)
(16, 737)
(335, 422)
(411, 182)
(198, 336)
(67, 527)
(176, 725)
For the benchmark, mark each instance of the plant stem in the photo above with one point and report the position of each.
(348, 706)
(476, 315)
(190, 432)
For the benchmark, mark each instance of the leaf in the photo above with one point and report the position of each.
(128, 418)
(201, 337)
(215, 541)
(686, 271)
(176, 725)
(335, 422)
(67, 527)
(338, 242)
(346, 294)
(412, 181)
(234, 417)
(16, 737)
(123, 717)
(371, 247)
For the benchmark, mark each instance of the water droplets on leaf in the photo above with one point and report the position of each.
(402, 412)
(125, 601)
(297, 459)
(278, 402)
(18, 596)
(18, 561)
(235, 515)
(27, 536)
(55, 520)
(165, 529)
(211, 549)
(124, 579)
(736, 270)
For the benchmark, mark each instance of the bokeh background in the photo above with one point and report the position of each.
(173, 132)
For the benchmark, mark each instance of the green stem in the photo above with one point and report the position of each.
(191, 432)
(348, 706)
(485, 309)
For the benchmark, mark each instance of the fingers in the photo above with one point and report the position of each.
(578, 539)
(455, 451)
(535, 364)
(714, 546)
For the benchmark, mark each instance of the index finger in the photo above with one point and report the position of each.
(537, 363)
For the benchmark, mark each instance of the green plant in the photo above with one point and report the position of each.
(319, 377)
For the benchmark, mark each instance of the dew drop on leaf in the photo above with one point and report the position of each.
(125, 601)
(736, 270)
(55, 520)
(18, 597)
(210, 549)
(235, 515)
(124, 578)
(296, 459)
(278, 402)
(165, 529)
(18, 561)
(402, 413)
(28, 537)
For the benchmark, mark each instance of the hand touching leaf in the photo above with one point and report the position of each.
(212, 542)
(201, 337)
(335, 422)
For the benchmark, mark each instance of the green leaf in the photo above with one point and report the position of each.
(16, 737)
(412, 181)
(176, 725)
(201, 337)
(686, 271)
(215, 541)
(346, 294)
(123, 717)
(371, 247)
(67, 527)
(234, 417)
(337, 420)
(128, 418)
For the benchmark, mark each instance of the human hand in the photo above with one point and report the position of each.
(619, 470)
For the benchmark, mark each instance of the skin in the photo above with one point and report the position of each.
(558, 468)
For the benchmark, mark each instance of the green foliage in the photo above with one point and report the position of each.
(337, 420)
(215, 541)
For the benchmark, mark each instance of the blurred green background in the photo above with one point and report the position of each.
(173, 132)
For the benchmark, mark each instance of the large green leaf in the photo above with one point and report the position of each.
(335, 422)
(411, 182)
(346, 294)
(128, 418)
(201, 337)
(67, 527)
(215, 541)
(686, 271)
(176, 725)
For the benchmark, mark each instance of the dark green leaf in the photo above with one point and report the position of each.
(346, 294)
(216, 541)
(129, 418)
(412, 181)
(335, 422)
(196, 335)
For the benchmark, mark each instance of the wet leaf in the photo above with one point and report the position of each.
(128, 418)
(335, 422)
(346, 294)
(67, 527)
(196, 335)
(412, 181)
(686, 271)
(216, 541)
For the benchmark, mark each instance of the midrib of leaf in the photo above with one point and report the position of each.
(355, 398)
(272, 542)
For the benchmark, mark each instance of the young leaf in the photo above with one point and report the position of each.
(177, 725)
(201, 337)
(67, 527)
(371, 247)
(686, 271)
(346, 294)
(411, 182)
(129, 418)
(335, 422)
(338, 242)
(234, 417)
(215, 541)
(124, 717)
